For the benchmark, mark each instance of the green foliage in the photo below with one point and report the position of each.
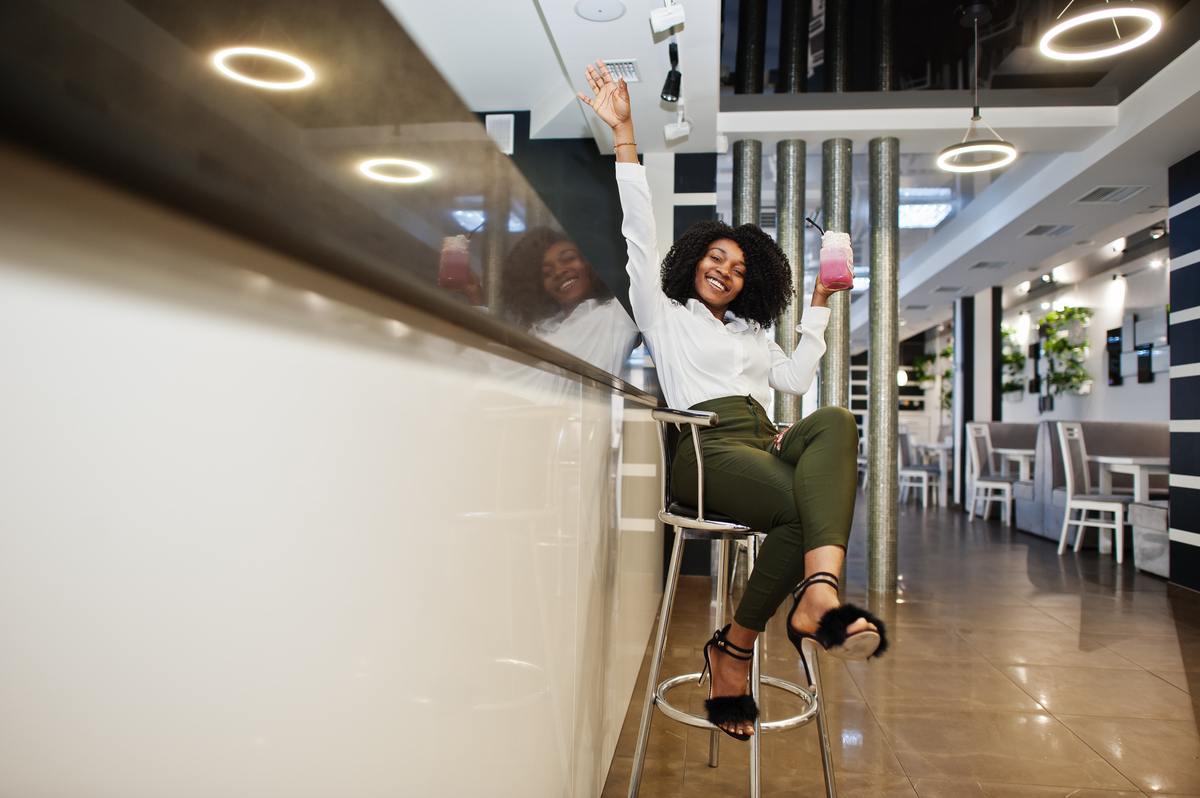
(947, 354)
(1064, 358)
(921, 372)
(1013, 362)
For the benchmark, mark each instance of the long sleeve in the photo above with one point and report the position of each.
(645, 281)
(795, 374)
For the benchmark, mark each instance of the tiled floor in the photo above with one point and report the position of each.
(1013, 672)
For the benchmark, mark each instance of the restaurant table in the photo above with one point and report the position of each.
(943, 452)
(1024, 458)
(1140, 467)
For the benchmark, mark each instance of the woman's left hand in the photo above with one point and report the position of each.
(821, 294)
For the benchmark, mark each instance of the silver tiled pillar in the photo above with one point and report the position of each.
(495, 232)
(747, 181)
(789, 232)
(835, 201)
(883, 399)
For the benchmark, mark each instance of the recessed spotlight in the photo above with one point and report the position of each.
(421, 172)
(1158, 231)
(1023, 288)
(1045, 278)
(1045, 306)
(1117, 247)
(1154, 264)
(307, 75)
(600, 10)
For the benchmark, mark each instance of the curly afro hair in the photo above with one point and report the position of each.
(522, 294)
(768, 286)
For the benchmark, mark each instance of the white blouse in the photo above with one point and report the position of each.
(697, 356)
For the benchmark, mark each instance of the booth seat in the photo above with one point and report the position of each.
(1041, 503)
(1151, 537)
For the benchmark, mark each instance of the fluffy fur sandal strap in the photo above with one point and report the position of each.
(727, 710)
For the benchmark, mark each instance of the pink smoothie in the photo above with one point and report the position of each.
(837, 261)
(455, 263)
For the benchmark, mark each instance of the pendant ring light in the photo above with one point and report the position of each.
(1106, 12)
(307, 75)
(1002, 152)
(421, 172)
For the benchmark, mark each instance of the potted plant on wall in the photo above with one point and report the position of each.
(1013, 364)
(947, 354)
(1065, 346)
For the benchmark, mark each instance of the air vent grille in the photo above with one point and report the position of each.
(1109, 194)
(1044, 230)
(948, 289)
(766, 218)
(916, 307)
(624, 68)
(501, 129)
(991, 264)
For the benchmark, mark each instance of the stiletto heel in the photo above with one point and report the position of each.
(831, 629)
(727, 709)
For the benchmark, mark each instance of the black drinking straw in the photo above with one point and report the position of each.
(814, 224)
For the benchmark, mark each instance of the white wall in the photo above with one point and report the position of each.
(1128, 402)
(263, 533)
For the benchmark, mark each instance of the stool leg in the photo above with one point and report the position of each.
(814, 675)
(755, 676)
(721, 574)
(660, 641)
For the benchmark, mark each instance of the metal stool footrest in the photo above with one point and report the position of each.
(675, 713)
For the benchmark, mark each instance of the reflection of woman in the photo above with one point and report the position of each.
(704, 315)
(550, 289)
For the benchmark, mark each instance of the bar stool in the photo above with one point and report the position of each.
(693, 523)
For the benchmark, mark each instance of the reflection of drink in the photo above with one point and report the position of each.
(455, 262)
(837, 261)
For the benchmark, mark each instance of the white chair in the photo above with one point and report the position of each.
(1081, 498)
(985, 486)
(913, 474)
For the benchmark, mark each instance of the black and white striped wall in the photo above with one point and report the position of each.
(1184, 190)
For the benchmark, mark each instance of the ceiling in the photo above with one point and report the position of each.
(531, 55)
(1138, 119)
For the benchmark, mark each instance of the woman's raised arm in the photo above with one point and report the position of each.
(611, 104)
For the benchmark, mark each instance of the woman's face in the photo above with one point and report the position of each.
(720, 275)
(566, 276)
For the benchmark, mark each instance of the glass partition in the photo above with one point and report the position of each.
(316, 127)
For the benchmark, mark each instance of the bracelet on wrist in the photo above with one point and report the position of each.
(625, 144)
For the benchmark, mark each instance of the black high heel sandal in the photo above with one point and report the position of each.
(727, 709)
(831, 629)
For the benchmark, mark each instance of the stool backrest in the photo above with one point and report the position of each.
(1074, 454)
(904, 450)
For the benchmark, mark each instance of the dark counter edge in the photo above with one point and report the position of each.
(327, 256)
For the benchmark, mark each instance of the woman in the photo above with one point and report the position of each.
(704, 316)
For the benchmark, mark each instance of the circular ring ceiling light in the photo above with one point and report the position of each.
(422, 172)
(1107, 12)
(1005, 154)
(307, 75)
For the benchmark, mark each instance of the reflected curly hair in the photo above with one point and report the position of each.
(768, 285)
(522, 294)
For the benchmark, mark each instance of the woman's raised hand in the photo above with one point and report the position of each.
(612, 96)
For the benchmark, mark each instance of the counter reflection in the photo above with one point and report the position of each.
(317, 128)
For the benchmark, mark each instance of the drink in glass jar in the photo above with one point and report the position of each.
(837, 261)
(455, 262)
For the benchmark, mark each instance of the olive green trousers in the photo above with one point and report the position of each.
(801, 493)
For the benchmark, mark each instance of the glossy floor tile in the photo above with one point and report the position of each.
(1013, 672)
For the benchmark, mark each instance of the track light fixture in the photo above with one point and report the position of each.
(670, 90)
(1109, 12)
(1000, 152)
